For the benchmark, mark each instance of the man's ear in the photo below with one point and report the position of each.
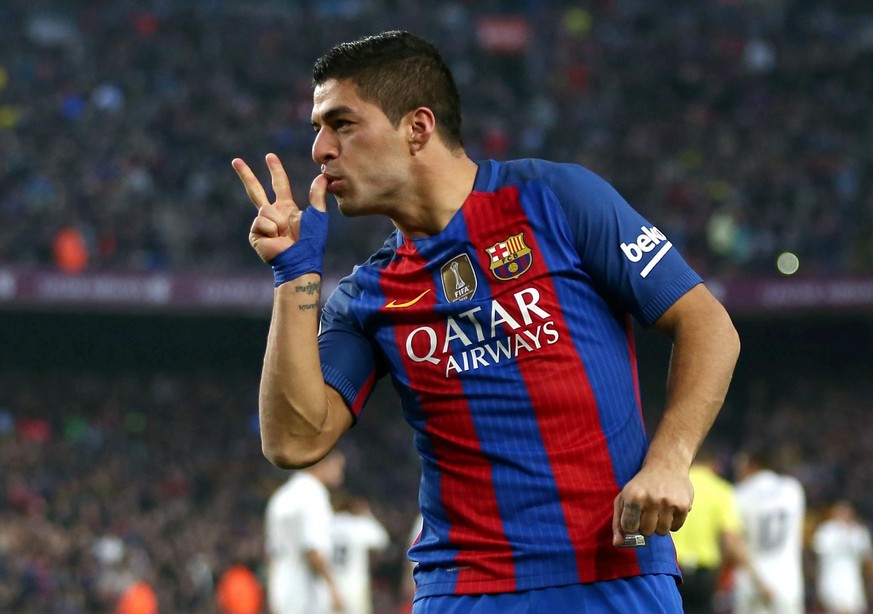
(422, 125)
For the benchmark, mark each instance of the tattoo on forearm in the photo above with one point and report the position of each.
(313, 287)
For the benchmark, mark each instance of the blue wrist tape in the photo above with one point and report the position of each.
(307, 253)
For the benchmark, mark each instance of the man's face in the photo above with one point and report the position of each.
(364, 158)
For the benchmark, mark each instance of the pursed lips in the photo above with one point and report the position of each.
(332, 180)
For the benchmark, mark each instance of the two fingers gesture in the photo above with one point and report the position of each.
(277, 225)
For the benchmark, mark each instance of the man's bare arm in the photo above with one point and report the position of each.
(736, 552)
(705, 351)
(320, 566)
(301, 417)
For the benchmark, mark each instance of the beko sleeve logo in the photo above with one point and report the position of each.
(650, 239)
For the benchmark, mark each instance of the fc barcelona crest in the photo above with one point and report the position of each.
(510, 258)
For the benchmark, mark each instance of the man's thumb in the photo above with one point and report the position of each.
(317, 193)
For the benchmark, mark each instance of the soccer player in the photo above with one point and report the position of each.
(502, 309)
(712, 538)
(298, 541)
(356, 533)
(843, 548)
(772, 507)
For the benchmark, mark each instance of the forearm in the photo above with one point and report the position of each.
(319, 565)
(705, 351)
(736, 553)
(295, 414)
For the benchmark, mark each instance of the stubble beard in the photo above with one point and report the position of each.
(350, 208)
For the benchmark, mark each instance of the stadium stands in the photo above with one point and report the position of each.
(129, 447)
(740, 126)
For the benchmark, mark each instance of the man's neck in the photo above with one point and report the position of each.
(442, 185)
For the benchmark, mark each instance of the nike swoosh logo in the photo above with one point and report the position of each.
(395, 305)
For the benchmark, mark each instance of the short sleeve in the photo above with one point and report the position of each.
(375, 534)
(348, 358)
(627, 257)
(316, 517)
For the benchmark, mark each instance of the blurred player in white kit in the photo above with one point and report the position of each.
(356, 533)
(298, 541)
(772, 507)
(843, 547)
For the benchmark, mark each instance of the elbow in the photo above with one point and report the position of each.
(716, 325)
(732, 340)
(285, 461)
(292, 438)
(290, 456)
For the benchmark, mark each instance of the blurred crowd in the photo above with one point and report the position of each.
(741, 127)
(107, 479)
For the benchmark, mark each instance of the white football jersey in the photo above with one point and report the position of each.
(298, 520)
(354, 537)
(772, 508)
(842, 548)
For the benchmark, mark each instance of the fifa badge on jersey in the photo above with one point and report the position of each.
(459, 279)
(509, 259)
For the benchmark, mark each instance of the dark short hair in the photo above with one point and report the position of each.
(399, 72)
(763, 455)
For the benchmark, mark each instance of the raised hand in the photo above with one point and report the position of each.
(277, 225)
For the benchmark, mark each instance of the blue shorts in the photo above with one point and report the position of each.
(651, 594)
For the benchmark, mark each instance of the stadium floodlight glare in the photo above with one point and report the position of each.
(787, 263)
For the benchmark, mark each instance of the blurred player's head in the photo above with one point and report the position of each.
(331, 469)
(398, 72)
(753, 459)
(843, 510)
(711, 454)
(344, 501)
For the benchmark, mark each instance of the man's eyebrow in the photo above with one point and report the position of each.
(332, 114)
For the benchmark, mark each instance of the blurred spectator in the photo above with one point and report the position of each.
(70, 250)
(239, 591)
(138, 598)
